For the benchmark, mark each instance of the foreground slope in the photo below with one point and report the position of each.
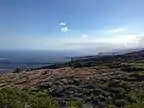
(110, 81)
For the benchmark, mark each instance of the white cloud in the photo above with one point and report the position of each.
(84, 35)
(116, 30)
(65, 29)
(62, 24)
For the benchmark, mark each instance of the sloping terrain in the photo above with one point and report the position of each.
(112, 81)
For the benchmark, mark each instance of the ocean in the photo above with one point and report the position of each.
(10, 60)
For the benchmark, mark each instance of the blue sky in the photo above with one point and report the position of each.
(71, 24)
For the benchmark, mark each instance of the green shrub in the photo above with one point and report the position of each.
(137, 99)
(13, 98)
(75, 104)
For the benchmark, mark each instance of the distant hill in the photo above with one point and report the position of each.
(135, 53)
(87, 61)
(106, 54)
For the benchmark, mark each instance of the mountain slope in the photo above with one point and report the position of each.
(104, 82)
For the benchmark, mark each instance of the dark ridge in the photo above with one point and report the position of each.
(87, 61)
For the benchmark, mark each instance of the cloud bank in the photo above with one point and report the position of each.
(75, 43)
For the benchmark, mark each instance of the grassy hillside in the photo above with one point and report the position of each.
(107, 82)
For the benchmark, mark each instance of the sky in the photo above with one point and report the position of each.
(71, 24)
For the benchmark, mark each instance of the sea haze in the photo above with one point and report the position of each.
(10, 59)
(26, 59)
